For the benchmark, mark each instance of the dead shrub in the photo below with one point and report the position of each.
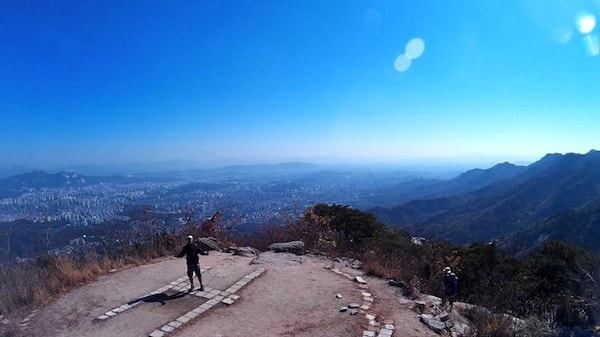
(379, 266)
(67, 272)
(532, 327)
(10, 330)
(490, 324)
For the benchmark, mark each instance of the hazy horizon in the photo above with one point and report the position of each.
(424, 165)
(360, 83)
(442, 168)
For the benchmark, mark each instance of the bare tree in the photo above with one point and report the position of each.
(8, 235)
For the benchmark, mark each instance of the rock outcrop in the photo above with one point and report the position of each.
(295, 247)
(209, 243)
(244, 251)
(280, 259)
(440, 319)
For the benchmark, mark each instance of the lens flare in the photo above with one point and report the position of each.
(592, 46)
(563, 35)
(414, 48)
(402, 63)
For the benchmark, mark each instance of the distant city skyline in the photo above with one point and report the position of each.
(101, 83)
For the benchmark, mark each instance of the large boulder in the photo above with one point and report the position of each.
(460, 325)
(209, 243)
(295, 247)
(280, 259)
(438, 321)
(429, 304)
(433, 322)
(245, 251)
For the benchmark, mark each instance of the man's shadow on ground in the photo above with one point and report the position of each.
(161, 298)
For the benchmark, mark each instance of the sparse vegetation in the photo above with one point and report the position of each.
(32, 283)
(553, 289)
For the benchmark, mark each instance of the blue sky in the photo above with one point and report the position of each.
(231, 82)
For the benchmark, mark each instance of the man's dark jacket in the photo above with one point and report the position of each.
(191, 253)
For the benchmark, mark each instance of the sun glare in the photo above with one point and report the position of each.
(585, 23)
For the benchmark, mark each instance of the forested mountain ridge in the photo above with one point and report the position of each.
(575, 225)
(421, 188)
(549, 187)
(39, 179)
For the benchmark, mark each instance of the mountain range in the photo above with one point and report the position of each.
(421, 188)
(520, 207)
(12, 186)
(39, 179)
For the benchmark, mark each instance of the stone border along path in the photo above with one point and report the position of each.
(388, 325)
(214, 296)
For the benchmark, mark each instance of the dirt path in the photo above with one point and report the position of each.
(293, 296)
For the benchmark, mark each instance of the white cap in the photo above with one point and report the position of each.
(190, 237)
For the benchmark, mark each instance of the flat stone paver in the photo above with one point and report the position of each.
(156, 333)
(213, 297)
(368, 300)
(175, 324)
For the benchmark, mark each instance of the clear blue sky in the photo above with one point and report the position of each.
(225, 82)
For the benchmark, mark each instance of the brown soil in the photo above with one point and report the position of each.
(295, 296)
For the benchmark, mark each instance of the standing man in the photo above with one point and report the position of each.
(193, 262)
(451, 284)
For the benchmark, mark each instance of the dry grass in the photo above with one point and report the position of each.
(10, 330)
(382, 268)
(30, 284)
(27, 285)
(24, 286)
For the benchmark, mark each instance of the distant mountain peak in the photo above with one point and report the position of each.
(593, 154)
(39, 179)
(497, 172)
(550, 157)
(504, 164)
(553, 194)
(35, 172)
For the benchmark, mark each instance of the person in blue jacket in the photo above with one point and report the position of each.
(451, 284)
